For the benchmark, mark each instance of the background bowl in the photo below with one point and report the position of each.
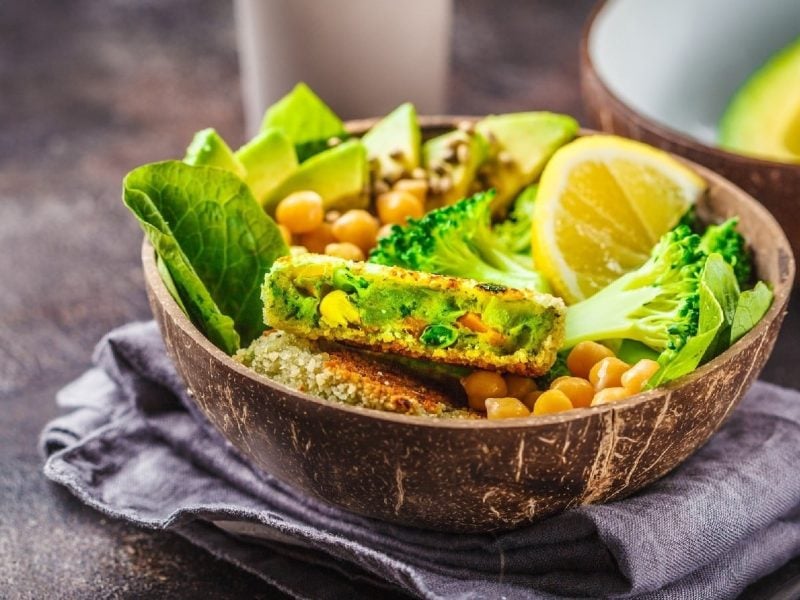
(466, 476)
(663, 72)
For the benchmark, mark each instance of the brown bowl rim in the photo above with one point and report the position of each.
(673, 136)
(780, 290)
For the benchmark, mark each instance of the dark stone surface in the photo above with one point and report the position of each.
(89, 90)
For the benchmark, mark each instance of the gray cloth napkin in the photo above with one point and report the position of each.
(134, 447)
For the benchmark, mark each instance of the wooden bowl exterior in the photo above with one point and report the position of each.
(776, 185)
(478, 476)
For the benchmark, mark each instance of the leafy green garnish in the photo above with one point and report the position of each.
(166, 277)
(692, 352)
(718, 295)
(631, 351)
(720, 277)
(215, 240)
(752, 306)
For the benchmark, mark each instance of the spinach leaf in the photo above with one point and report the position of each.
(752, 306)
(632, 351)
(214, 239)
(720, 277)
(169, 283)
(692, 353)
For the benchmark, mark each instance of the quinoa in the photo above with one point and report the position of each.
(344, 375)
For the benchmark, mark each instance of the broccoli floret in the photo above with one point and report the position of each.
(657, 304)
(515, 231)
(457, 240)
(725, 240)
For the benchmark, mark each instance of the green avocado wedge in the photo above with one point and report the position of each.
(393, 144)
(268, 159)
(215, 241)
(306, 120)
(520, 145)
(338, 174)
(207, 148)
(451, 169)
(763, 117)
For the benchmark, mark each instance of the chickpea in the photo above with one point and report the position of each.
(609, 395)
(608, 373)
(300, 212)
(530, 399)
(417, 187)
(480, 385)
(634, 378)
(519, 386)
(357, 227)
(551, 402)
(558, 380)
(505, 408)
(317, 239)
(285, 234)
(579, 391)
(397, 206)
(344, 250)
(584, 356)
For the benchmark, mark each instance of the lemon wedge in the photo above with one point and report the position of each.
(603, 203)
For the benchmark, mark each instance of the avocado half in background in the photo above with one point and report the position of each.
(763, 118)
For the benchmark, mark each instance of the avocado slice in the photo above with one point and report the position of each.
(451, 169)
(763, 118)
(306, 120)
(393, 144)
(338, 174)
(268, 159)
(520, 145)
(208, 149)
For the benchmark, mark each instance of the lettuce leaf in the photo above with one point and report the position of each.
(720, 277)
(752, 306)
(215, 241)
(695, 348)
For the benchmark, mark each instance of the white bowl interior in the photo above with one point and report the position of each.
(678, 62)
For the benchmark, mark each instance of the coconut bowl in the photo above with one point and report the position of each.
(479, 476)
(663, 73)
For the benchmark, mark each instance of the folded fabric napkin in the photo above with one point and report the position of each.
(135, 447)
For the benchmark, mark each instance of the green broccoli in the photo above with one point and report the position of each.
(457, 240)
(515, 231)
(728, 242)
(657, 304)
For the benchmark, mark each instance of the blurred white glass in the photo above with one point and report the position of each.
(362, 57)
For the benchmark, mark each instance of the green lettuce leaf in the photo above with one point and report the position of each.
(752, 306)
(720, 277)
(711, 320)
(169, 283)
(215, 240)
(689, 357)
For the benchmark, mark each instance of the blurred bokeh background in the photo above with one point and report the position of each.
(88, 90)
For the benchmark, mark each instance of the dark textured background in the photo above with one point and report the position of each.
(89, 90)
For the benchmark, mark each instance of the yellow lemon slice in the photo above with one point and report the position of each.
(603, 203)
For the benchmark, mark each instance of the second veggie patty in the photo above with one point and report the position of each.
(417, 314)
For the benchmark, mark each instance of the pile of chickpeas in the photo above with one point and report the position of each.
(597, 377)
(351, 234)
